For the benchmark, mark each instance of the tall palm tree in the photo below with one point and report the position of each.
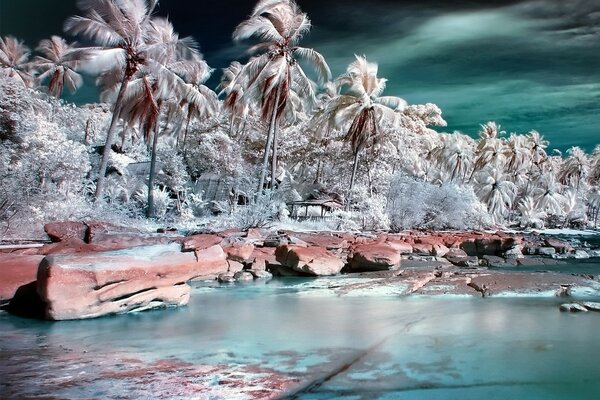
(548, 194)
(232, 84)
(14, 58)
(56, 66)
(455, 155)
(360, 111)
(274, 74)
(119, 29)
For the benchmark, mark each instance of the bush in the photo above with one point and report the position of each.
(414, 204)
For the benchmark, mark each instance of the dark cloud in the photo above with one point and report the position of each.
(530, 64)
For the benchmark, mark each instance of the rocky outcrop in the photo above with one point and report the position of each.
(314, 261)
(16, 271)
(76, 286)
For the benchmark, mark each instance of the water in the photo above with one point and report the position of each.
(254, 341)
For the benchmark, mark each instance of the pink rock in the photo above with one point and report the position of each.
(262, 257)
(95, 228)
(309, 260)
(239, 251)
(326, 241)
(423, 249)
(76, 286)
(400, 247)
(439, 250)
(59, 231)
(374, 257)
(16, 271)
(200, 241)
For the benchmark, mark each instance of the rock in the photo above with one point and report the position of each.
(581, 254)
(400, 247)
(499, 262)
(559, 245)
(563, 291)
(16, 271)
(309, 260)
(439, 250)
(464, 262)
(326, 241)
(95, 228)
(594, 253)
(422, 249)
(572, 307)
(261, 257)
(200, 242)
(261, 275)
(293, 240)
(456, 252)
(489, 245)
(591, 306)
(374, 257)
(281, 270)
(275, 240)
(120, 241)
(226, 277)
(546, 251)
(234, 266)
(243, 276)
(239, 251)
(514, 252)
(59, 231)
(76, 286)
(211, 261)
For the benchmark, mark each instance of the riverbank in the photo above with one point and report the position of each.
(92, 269)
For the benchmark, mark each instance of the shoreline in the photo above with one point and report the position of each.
(94, 268)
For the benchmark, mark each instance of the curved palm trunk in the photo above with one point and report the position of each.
(110, 137)
(272, 127)
(274, 158)
(352, 178)
(185, 135)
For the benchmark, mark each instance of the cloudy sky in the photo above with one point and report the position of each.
(531, 64)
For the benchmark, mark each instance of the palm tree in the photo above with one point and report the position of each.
(14, 57)
(494, 189)
(360, 111)
(489, 151)
(272, 77)
(547, 194)
(119, 28)
(56, 65)
(232, 84)
(455, 155)
(576, 167)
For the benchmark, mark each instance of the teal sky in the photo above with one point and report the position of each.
(531, 64)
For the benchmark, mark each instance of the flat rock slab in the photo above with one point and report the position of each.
(76, 286)
(16, 271)
(528, 283)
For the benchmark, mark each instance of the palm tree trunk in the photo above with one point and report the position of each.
(263, 171)
(150, 212)
(352, 178)
(110, 137)
(185, 134)
(274, 158)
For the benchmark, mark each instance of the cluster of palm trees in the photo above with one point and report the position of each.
(516, 178)
(155, 82)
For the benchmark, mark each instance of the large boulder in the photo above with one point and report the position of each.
(76, 286)
(374, 257)
(16, 271)
(309, 260)
(59, 231)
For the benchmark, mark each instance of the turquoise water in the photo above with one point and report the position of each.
(255, 340)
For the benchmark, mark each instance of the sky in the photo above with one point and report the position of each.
(526, 64)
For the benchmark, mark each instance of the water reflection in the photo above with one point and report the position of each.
(259, 340)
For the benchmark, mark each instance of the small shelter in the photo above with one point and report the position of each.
(313, 208)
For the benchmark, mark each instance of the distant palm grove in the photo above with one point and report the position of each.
(279, 130)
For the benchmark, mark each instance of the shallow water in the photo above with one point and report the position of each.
(255, 340)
